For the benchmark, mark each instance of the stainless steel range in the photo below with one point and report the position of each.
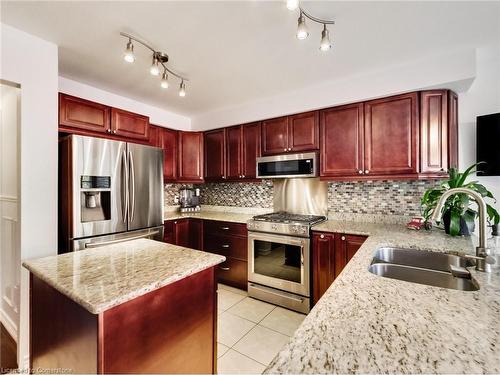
(279, 258)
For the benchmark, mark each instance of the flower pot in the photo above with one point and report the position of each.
(465, 228)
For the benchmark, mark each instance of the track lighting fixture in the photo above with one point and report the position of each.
(292, 4)
(303, 31)
(182, 89)
(164, 80)
(155, 66)
(128, 55)
(159, 61)
(325, 43)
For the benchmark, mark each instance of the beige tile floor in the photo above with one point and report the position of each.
(250, 332)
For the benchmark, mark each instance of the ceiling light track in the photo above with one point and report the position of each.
(159, 60)
(302, 29)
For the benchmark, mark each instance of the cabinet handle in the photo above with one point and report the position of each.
(224, 268)
(360, 171)
(224, 228)
(367, 171)
(243, 176)
(109, 130)
(442, 169)
(284, 150)
(342, 238)
(114, 131)
(175, 222)
(322, 236)
(289, 149)
(223, 177)
(225, 246)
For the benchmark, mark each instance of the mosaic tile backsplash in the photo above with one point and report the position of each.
(398, 198)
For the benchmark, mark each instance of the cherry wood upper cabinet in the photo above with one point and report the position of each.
(83, 114)
(438, 131)
(391, 133)
(128, 124)
(215, 148)
(275, 136)
(190, 157)
(168, 142)
(251, 150)
(303, 131)
(342, 143)
(234, 153)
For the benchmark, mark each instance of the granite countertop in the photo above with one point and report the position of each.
(99, 279)
(233, 217)
(370, 324)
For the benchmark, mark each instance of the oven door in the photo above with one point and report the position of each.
(279, 261)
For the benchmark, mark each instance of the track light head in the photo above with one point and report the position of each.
(128, 55)
(182, 89)
(164, 80)
(155, 68)
(325, 43)
(292, 4)
(302, 31)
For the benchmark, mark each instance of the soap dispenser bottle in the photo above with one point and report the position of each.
(494, 246)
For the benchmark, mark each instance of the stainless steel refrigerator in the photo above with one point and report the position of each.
(109, 192)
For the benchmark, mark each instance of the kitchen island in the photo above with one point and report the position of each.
(370, 324)
(140, 306)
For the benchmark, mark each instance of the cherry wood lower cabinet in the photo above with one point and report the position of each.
(169, 330)
(186, 232)
(330, 254)
(228, 239)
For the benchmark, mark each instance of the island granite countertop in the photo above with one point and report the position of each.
(99, 279)
(370, 324)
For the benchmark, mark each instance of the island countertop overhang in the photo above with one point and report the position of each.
(102, 278)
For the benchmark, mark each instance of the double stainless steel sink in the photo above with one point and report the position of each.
(424, 267)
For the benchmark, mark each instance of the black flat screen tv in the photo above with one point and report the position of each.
(488, 144)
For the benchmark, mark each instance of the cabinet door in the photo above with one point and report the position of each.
(83, 114)
(434, 131)
(452, 130)
(323, 255)
(352, 245)
(196, 234)
(233, 153)
(391, 135)
(341, 147)
(168, 142)
(275, 136)
(215, 163)
(154, 136)
(190, 157)
(181, 232)
(128, 124)
(303, 131)
(168, 232)
(251, 149)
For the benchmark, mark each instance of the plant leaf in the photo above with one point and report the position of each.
(454, 222)
(466, 174)
(493, 214)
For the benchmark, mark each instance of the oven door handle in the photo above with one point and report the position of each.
(302, 254)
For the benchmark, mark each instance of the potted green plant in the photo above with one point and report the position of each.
(458, 214)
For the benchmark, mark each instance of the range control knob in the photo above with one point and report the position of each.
(274, 227)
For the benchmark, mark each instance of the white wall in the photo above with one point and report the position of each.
(156, 115)
(454, 70)
(9, 208)
(33, 63)
(482, 98)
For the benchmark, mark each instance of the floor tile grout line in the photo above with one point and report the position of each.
(243, 354)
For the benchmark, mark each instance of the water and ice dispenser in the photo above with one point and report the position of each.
(95, 198)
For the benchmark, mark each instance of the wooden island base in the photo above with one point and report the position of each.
(169, 330)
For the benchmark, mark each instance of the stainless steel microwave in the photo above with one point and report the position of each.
(288, 166)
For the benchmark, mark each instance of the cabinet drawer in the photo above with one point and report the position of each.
(233, 272)
(232, 246)
(225, 228)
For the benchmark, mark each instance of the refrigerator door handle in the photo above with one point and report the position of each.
(124, 187)
(91, 245)
(131, 187)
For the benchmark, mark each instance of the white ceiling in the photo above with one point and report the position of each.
(236, 52)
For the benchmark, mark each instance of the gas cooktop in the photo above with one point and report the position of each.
(288, 218)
